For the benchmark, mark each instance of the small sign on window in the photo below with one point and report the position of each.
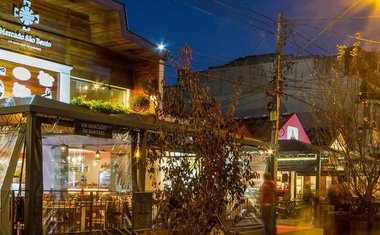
(93, 129)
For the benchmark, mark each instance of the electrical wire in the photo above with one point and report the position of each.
(253, 11)
(336, 19)
(355, 37)
(235, 17)
(376, 17)
(242, 13)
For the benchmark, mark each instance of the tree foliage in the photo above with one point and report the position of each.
(200, 160)
(347, 122)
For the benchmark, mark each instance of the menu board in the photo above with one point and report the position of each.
(18, 80)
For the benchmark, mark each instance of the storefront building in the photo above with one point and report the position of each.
(300, 164)
(69, 168)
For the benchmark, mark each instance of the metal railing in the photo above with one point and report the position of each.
(82, 211)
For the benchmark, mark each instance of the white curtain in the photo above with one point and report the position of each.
(8, 137)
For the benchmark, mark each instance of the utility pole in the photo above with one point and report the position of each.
(275, 111)
(277, 86)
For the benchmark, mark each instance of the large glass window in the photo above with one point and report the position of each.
(10, 126)
(98, 91)
(87, 179)
(75, 162)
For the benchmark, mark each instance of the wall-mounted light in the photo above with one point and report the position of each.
(161, 47)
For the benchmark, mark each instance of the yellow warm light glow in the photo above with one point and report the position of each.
(98, 156)
(375, 5)
(137, 155)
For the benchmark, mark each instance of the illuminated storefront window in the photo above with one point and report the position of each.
(76, 162)
(98, 91)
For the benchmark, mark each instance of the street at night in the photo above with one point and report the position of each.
(209, 117)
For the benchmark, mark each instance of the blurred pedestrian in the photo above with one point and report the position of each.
(266, 203)
(308, 202)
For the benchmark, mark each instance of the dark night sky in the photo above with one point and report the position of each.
(217, 38)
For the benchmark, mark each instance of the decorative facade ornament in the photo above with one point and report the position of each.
(26, 15)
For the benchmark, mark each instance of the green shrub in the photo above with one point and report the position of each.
(99, 105)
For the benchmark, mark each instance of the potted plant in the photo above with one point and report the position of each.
(139, 103)
(149, 86)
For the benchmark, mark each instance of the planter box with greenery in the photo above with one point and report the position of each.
(99, 105)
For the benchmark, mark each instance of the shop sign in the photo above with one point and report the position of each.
(24, 37)
(93, 129)
(21, 81)
(27, 17)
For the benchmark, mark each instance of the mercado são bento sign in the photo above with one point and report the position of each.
(26, 17)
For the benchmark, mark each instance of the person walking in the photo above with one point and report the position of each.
(266, 203)
(308, 200)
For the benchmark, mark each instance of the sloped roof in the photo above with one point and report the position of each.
(109, 28)
(260, 127)
(295, 146)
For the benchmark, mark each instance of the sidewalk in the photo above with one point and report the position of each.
(298, 230)
(291, 230)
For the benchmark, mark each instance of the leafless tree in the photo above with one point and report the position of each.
(199, 156)
(347, 121)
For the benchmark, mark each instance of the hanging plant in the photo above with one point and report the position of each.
(99, 105)
(149, 86)
(139, 103)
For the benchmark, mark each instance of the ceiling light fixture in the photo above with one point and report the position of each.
(98, 156)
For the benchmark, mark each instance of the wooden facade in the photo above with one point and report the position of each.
(89, 35)
(47, 45)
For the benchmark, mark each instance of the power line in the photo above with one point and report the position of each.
(235, 17)
(194, 7)
(229, 80)
(336, 19)
(376, 17)
(242, 13)
(251, 10)
(180, 44)
(315, 44)
(355, 37)
(257, 45)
